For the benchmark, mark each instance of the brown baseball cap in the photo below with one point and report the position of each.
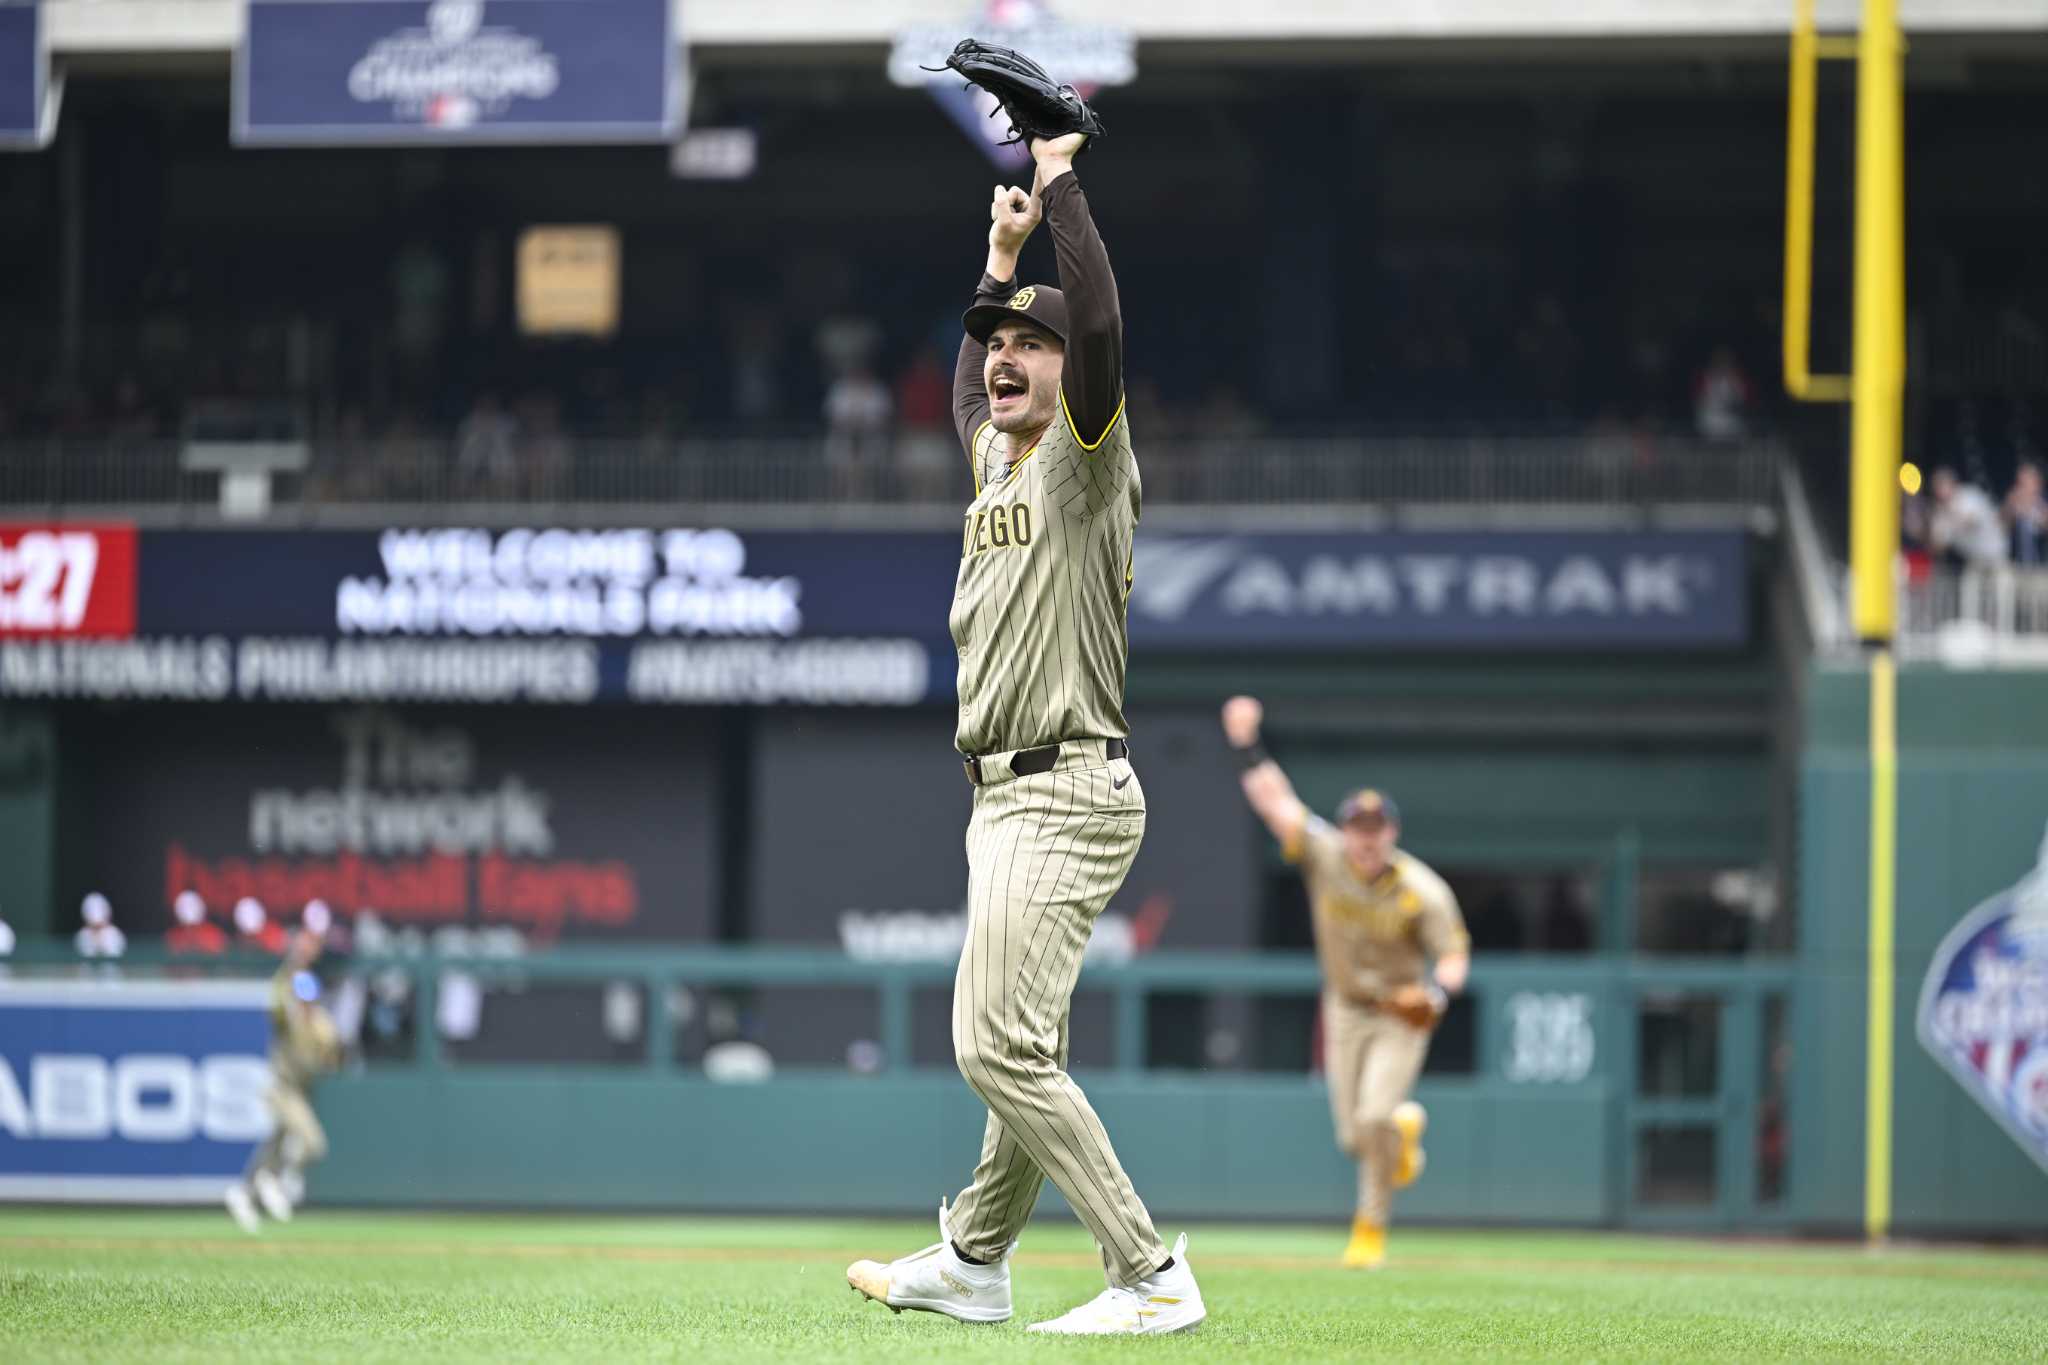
(1369, 806)
(1040, 304)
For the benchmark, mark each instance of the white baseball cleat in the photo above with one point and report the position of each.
(242, 1210)
(936, 1280)
(1155, 1305)
(270, 1193)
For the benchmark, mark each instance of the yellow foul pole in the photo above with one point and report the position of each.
(1877, 388)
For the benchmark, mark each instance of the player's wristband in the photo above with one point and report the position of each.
(1252, 755)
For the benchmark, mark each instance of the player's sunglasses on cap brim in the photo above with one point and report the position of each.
(1038, 304)
(1369, 809)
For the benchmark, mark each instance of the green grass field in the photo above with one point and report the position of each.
(110, 1286)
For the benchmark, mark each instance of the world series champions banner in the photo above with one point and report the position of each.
(29, 91)
(359, 72)
(1984, 1008)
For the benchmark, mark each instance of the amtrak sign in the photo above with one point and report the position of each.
(1984, 1008)
(1423, 589)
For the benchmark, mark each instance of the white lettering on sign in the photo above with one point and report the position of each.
(1550, 1038)
(141, 1097)
(1175, 575)
(562, 582)
(46, 580)
(155, 1098)
(811, 672)
(936, 936)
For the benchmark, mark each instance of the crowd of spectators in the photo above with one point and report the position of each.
(1957, 524)
(552, 423)
(1960, 521)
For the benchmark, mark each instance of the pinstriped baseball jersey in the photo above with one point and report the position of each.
(1038, 608)
(1373, 937)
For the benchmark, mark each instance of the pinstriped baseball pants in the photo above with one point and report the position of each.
(1044, 855)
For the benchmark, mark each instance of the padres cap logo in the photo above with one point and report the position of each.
(1021, 300)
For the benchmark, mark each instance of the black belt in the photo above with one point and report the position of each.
(1030, 762)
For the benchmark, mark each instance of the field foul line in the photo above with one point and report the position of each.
(1051, 1260)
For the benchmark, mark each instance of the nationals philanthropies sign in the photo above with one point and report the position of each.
(586, 825)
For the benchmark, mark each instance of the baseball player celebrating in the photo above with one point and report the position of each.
(1381, 918)
(303, 1044)
(1038, 619)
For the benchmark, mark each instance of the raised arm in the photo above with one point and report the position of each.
(1013, 213)
(1265, 785)
(1093, 379)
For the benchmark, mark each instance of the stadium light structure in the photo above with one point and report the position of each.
(1875, 388)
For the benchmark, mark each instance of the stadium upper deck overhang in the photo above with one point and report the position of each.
(89, 31)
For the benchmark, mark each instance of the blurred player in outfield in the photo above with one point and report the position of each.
(303, 1045)
(1382, 917)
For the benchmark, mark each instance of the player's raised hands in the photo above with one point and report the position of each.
(1013, 213)
(1242, 717)
(1060, 151)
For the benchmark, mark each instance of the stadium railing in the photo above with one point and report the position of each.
(365, 479)
(1614, 982)
(1994, 616)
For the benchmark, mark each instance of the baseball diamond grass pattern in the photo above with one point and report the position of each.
(179, 1286)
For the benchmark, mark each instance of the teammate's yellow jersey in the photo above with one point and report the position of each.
(302, 1039)
(1038, 608)
(1374, 936)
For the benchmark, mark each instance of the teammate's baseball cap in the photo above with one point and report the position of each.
(1370, 807)
(1037, 303)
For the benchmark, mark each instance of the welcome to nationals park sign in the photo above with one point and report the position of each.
(676, 615)
(705, 615)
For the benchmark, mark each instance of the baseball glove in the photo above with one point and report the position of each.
(1416, 1005)
(1036, 104)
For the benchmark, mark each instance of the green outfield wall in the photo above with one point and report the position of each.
(1973, 802)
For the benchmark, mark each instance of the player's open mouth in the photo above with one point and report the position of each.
(1004, 389)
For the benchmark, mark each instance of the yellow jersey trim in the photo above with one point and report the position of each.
(974, 454)
(1113, 419)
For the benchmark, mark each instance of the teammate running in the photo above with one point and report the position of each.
(1038, 620)
(303, 1044)
(1381, 918)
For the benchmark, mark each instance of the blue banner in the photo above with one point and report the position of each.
(356, 72)
(706, 615)
(697, 615)
(133, 1091)
(1461, 590)
(28, 99)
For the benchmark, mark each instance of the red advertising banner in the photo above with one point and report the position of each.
(586, 825)
(67, 580)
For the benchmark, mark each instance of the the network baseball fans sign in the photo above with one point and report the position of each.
(350, 72)
(430, 816)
